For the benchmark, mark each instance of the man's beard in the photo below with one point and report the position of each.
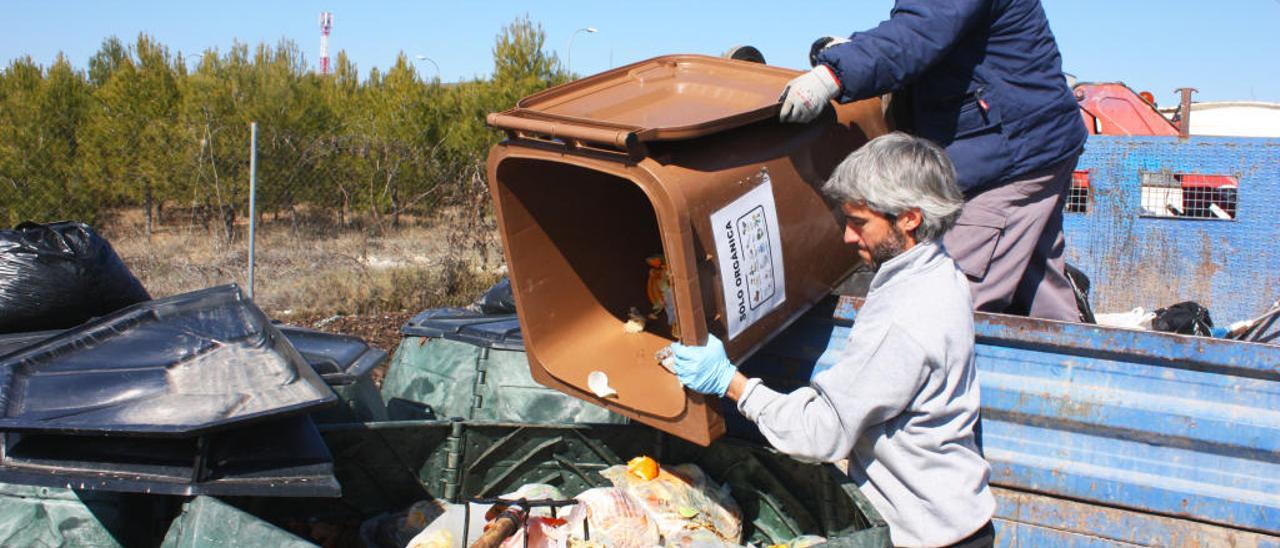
(889, 248)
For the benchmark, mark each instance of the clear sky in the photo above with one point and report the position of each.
(1228, 49)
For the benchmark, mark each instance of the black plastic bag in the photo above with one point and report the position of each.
(497, 300)
(1080, 286)
(1187, 318)
(58, 275)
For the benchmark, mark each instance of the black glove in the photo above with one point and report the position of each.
(821, 44)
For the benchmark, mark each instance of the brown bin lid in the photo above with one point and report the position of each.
(665, 98)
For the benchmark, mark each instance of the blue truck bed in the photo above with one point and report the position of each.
(1104, 436)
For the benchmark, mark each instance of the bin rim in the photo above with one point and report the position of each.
(497, 331)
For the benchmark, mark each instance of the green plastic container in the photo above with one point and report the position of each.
(454, 363)
(359, 401)
(51, 516)
(385, 467)
(206, 521)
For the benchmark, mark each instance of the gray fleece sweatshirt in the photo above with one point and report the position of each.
(900, 403)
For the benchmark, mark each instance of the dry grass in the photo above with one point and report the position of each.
(305, 269)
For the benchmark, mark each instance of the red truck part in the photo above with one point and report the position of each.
(1115, 109)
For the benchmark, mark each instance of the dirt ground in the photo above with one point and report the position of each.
(306, 270)
(379, 330)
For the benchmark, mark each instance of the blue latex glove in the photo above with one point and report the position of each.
(703, 369)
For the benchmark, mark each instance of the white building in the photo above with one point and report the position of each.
(1233, 118)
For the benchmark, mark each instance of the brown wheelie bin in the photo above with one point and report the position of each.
(680, 156)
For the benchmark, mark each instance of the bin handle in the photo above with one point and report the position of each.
(625, 139)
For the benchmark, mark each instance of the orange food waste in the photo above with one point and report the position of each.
(643, 467)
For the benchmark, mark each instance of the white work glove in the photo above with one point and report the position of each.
(805, 96)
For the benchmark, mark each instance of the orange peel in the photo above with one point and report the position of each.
(643, 467)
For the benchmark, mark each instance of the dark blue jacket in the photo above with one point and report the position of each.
(985, 77)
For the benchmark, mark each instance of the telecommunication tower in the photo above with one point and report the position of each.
(326, 24)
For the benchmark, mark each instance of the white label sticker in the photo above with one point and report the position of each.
(750, 256)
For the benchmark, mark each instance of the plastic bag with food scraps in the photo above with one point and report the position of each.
(679, 498)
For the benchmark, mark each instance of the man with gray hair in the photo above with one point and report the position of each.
(901, 402)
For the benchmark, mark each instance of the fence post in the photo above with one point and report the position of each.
(253, 193)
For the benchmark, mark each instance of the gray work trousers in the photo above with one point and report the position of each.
(1008, 241)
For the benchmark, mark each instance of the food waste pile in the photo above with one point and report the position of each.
(647, 505)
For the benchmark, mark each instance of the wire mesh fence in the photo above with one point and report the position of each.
(1189, 196)
(371, 192)
(345, 223)
(350, 181)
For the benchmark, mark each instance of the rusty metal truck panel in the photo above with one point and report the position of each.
(1160, 220)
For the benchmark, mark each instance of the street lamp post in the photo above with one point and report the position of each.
(422, 57)
(569, 50)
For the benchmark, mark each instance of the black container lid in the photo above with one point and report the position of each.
(179, 366)
(13, 342)
(339, 359)
(280, 458)
(497, 331)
